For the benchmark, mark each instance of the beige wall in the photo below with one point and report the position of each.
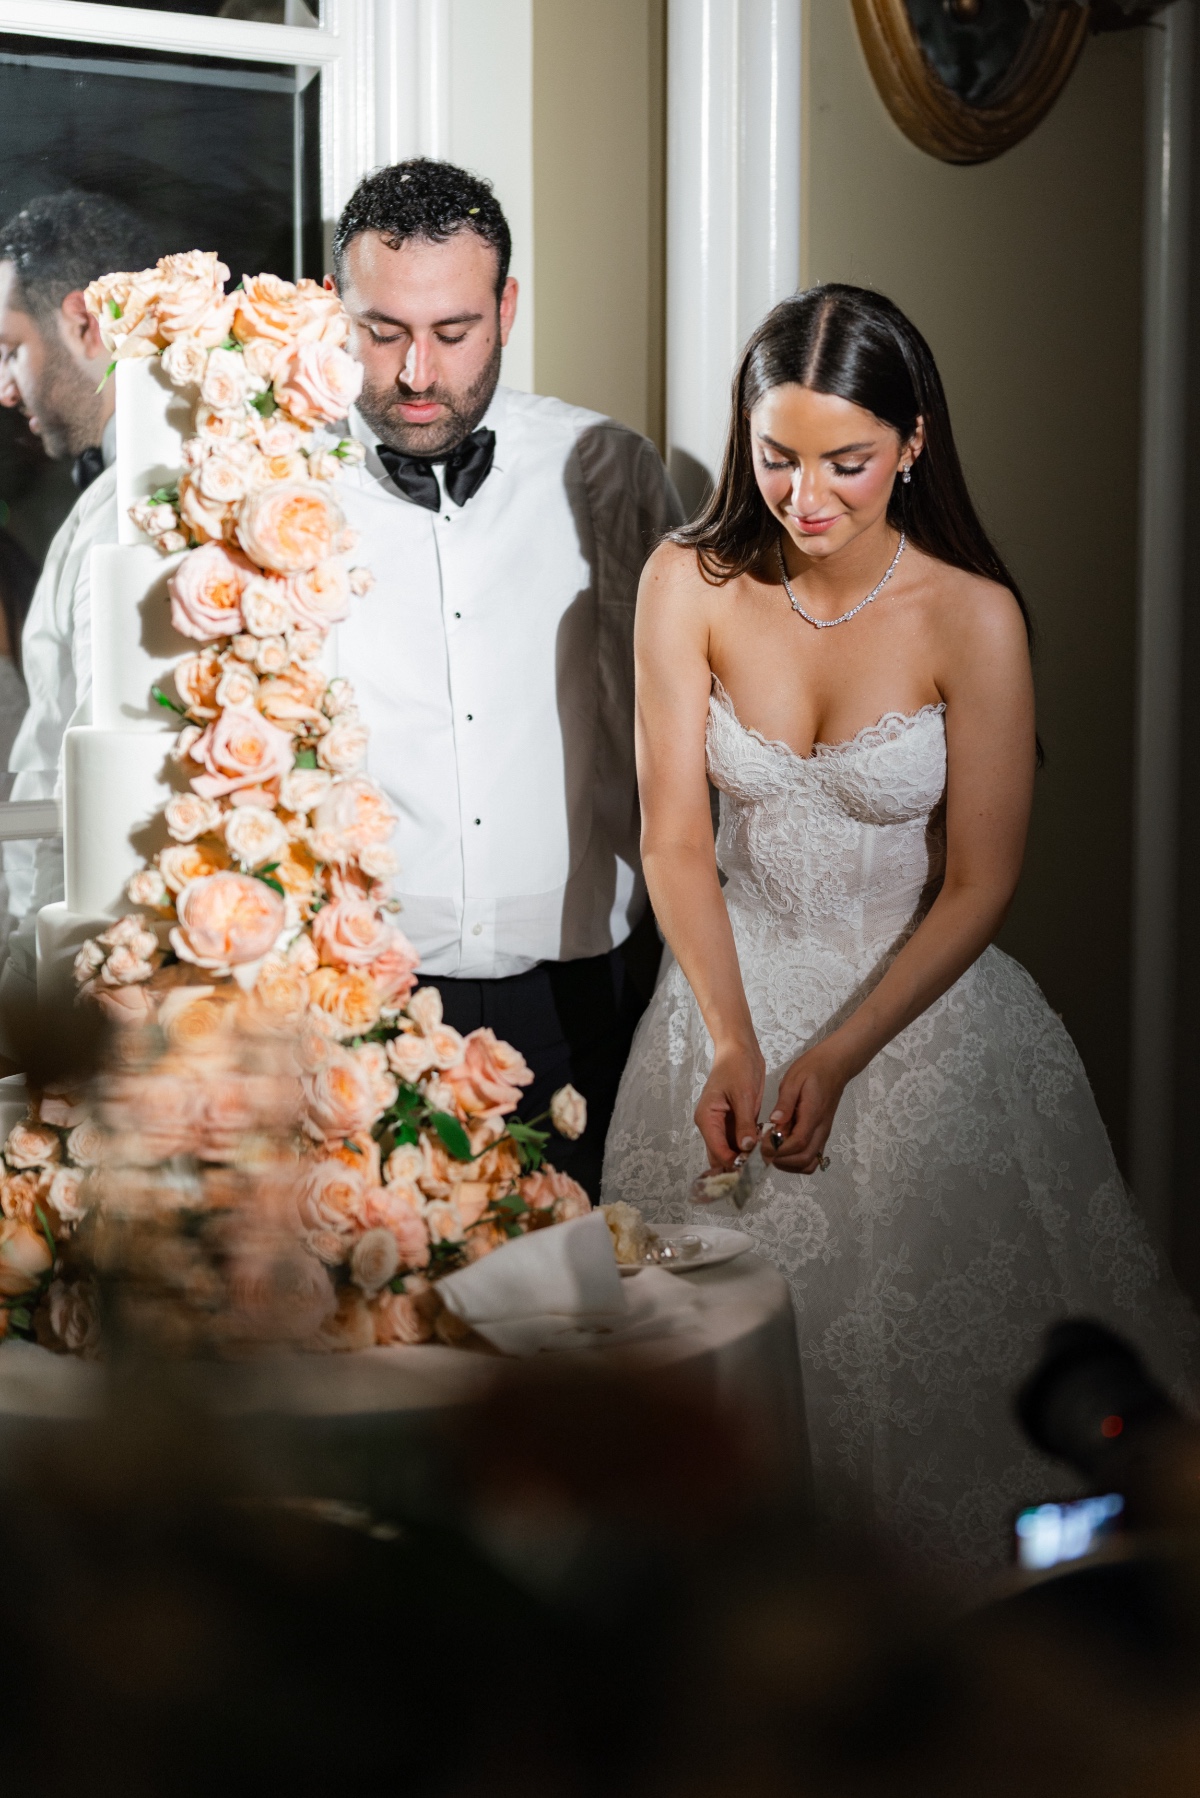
(598, 202)
(1024, 275)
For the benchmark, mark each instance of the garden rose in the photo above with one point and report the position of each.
(85, 1145)
(395, 970)
(240, 749)
(238, 685)
(352, 815)
(262, 358)
(320, 596)
(410, 1056)
(32, 1145)
(266, 606)
(349, 933)
(405, 1164)
(184, 361)
(147, 887)
(488, 1079)
(338, 1097)
(127, 965)
(550, 1190)
(332, 1197)
(24, 1258)
(254, 835)
(286, 312)
(221, 480)
(568, 1113)
(291, 699)
(65, 1193)
(385, 1207)
(343, 749)
(304, 788)
(289, 527)
(398, 1319)
(226, 381)
(318, 383)
(425, 1008)
(374, 1260)
(348, 1001)
(443, 1221)
(226, 919)
(206, 592)
(196, 680)
(182, 862)
(221, 427)
(191, 301)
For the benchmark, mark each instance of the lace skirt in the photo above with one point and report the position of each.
(972, 1199)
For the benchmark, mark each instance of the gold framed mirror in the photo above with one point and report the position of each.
(965, 80)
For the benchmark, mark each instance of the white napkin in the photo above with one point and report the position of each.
(554, 1283)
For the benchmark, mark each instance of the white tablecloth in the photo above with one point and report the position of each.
(729, 1329)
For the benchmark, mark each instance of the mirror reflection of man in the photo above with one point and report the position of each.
(52, 365)
(493, 658)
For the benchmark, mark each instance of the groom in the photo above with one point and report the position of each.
(493, 659)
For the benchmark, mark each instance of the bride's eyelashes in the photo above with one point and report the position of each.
(839, 468)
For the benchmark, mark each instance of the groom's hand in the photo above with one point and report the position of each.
(727, 1115)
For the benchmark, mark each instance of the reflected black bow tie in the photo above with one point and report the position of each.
(467, 469)
(87, 465)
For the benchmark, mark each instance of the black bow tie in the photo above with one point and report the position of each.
(467, 469)
(87, 465)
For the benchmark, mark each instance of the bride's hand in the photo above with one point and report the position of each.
(727, 1115)
(809, 1094)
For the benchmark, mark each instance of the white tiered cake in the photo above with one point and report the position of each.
(116, 772)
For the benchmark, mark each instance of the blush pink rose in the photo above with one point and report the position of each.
(320, 597)
(352, 815)
(241, 748)
(225, 920)
(399, 1319)
(488, 1079)
(32, 1145)
(350, 933)
(191, 299)
(395, 970)
(286, 312)
(332, 1198)
(319, 383)
(290, 526)
(206, 592)
(385, 1209)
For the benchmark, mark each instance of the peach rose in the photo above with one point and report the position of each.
(305, 645)
(205, 519)
(265, 469)
(549, 1190)
(297, 875)
(484, 1239)
(147, 887)
(263, 357)
(394, 971)
(196, 680)
(66, 1192)
(254, 835)
(405, 1165)
(352, 815)
(281, 992)
(221, 480)
(304, 788)
(181, 862)
(286, 313)
(225, 920)
(278, 1291)
(425, 1008)
(85, 1145)
(374, 1260)
(348, 1002)
(471, 1200)
(191, 1018)
(386, 1208)
(373, 1057)
(191, 299)
(125, 305)
(568, 1113)
(377, 861)
(410, 1056)
(184, 362)
(271, 655)
(488, 1079)
(24, 1258)
(359, 1151)
(292, 699)
(350, 933)
(351, 1328)
(74, 1314)
(238, 686)
(290, 526)
(226, 383)
(221, 427)
(241, 748)
(343, 749)
(267, 606)
(206, 592)
(20, 1195)
(32, 1145)
(338, 1097)
(443, 1221)
(318, 383)
(398, 1319)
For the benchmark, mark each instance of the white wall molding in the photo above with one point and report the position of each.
(1160, 610)
(733, 204)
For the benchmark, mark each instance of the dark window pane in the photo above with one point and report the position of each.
(265, 12)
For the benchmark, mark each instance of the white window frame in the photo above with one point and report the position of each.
(451, 78)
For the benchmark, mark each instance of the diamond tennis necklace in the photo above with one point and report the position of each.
(826, 624)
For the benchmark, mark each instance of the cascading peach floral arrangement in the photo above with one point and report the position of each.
(268, 917)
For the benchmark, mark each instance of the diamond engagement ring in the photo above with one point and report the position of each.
(822, 1163)
(776, 1139)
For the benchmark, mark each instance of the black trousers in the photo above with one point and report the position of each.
(572, 1021)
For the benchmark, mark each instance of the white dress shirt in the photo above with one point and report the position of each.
(56, 648)
(493, 662)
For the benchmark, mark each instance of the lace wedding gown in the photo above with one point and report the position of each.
(972, 1196)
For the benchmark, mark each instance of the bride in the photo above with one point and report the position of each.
(835, 644)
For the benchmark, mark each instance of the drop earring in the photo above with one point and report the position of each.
(906, 474)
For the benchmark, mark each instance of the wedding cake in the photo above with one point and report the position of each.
(116, 774)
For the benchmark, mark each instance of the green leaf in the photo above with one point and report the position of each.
(107, 372)
(160, 698)
(165, 496)
(19, 1317)
(231, 343)
(354, 1147)
(268, 881)
(46, 1232)
(530, 1142)
(305, 758)
(111, 307)
(452, 1135)
(264, 404)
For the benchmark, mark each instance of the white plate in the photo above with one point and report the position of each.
(719, 1245)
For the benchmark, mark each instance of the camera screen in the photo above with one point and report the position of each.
(1050, 1534)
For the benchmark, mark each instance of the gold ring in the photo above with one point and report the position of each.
(822, 1163)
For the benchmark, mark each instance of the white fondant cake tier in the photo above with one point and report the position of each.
(115, 784)
(153, 418)
(60, 936)
(134, 644)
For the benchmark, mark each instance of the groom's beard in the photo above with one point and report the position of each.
(380, 407)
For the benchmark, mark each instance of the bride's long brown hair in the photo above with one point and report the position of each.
(858, 346)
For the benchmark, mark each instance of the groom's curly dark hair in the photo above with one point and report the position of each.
(424, 199)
